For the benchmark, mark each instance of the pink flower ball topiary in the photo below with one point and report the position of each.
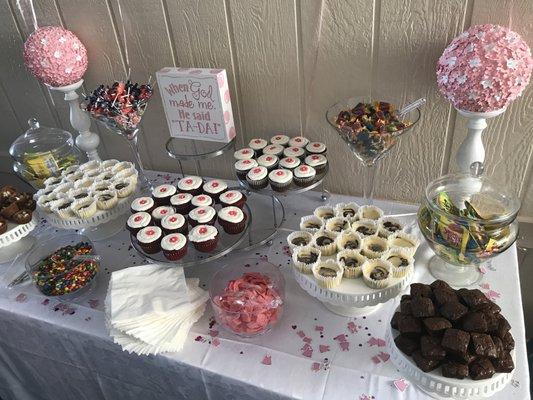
(55, 56)
(484, 69)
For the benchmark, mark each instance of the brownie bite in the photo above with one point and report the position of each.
(443, 296)
(481, 368)
(406, 344)
(453, 311)
(473, 298)
(423, 363)
(504, 363)
(503, 326)
(439, 284)
(452, 369)
(421, 290)
(395, 319)
(508, 341)
(483, 345)
(474, 322)
(436, 326)
(431, 349)
(410, 326)
(405, 307)
(456, 341)
(422, 307)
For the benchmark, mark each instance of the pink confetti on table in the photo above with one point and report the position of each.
(492, 295)
(319, 328)
(267, 360)
(301, 334)
(215, 342)
(287, 251)
(307, 350)
(65, 309)
(307, 339)
(199, 339)
(93, 303)
(21, 298)
(485, 286)
(315, 367)
(384, 356)
(45, 302)
(340, 338)
(352, 327)
(323, 348)
(345, 346)
(365, 397)
(401, 384)
(213, 333)
(373, 341)
(375, 360)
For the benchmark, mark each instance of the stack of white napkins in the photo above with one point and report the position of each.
(150, 309)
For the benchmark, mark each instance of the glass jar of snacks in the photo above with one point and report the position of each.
(466, 220)
(248, 297)
(64, 265)
(42, 152)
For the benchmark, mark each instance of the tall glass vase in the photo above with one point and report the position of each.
(132, 136)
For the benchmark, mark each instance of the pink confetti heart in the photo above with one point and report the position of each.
(213, 333)
(352, 327)
(21, 298)
(307, 339)
(376, 360)
(267, 360)
(401, 384)
(384, 356)
(301, 334)
(215, 342)
(315, 367)
(227, 96)
(345, 346)
(485, 286)
(340, 338)
(323, 348)
(319, 328)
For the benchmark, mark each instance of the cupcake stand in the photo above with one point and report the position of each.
(16, 240)
(265, 202)
(102, 225)
(440, 387)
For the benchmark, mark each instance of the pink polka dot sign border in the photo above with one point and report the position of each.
(197, 103)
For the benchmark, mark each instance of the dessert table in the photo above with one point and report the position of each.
(50, 349)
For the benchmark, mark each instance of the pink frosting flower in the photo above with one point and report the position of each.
(484, 69)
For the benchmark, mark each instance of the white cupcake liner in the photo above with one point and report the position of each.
(99, 187)
(87, 212)
(366, 223)
(296, 234)
(367, 242)
(332, 223)
(301, 266)
(64, 213)
(348, 236)
(382, 231)
(399, 272)
(107, 165)
(76, 176)
(106, 204)
(370, 212)
(312, 218)
(322, 210)
(367, 268)
(351, 272)
(72, 193)
(63, 189)
(126, 173)
(328, 282)
(84, 183)
(122, 165)
(329, 249)
(46, 202)
(340, 207)
(395, 241)
(92, 173)
(126, 191)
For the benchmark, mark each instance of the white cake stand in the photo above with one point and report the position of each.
(102, 225)
(16, 240)
(352, 297)
(440, 387)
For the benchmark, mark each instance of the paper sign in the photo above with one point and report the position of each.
(197, 103)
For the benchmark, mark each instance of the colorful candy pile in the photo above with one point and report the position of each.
(66, 270)
(121, 105)
(370, 128)
(249, 305)
(469, 238)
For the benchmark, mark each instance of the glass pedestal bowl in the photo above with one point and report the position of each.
(248, 297)
(467, 221)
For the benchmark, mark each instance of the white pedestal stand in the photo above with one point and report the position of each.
(472, 150)
(87, 141)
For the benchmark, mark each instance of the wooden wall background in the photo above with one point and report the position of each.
(287, 61)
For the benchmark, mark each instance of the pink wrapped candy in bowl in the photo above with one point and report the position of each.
(248, 297)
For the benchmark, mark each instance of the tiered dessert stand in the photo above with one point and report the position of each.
(16, 240)
(440, 387)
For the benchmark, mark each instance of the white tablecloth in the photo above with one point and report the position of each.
(56, 350)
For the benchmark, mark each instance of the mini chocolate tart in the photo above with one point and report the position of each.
(337, 224)
(324, 212)
(311, 223)
(365, 227)
(305, 258)
(401, 260)
(351, 261)
(374, 246)
(377, 273)
(328, 274)
(299, 239)
(325, 242)
(404, 241)
(388, 225)
(107, 200)
(348, 211)
(349, 240)
(370, 212)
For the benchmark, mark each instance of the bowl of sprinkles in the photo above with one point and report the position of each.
(69, 270)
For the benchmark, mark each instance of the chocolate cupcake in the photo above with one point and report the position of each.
(232, 219)
(351, 261)
(161, 212)
(138, 221)
(273, 150)
(162, 194)
(146, 204)
(280, 140)
(325, 242)
(11, 209)
(174, 223)
(316, 148)
(204, 238)
(298, 141)
(190, 184)
(374, 246)
(305, 258)
(202, 200)
(377, 273)
(294, 152)
(242, 167)
(311, 223)
(182, 202)
(215, 188)
(202, 216)
(289, 163)
(244, 154)
(174, 246)
(149, 239)
(3, 226)
(257, 145)
(299, 239)
(280, 179)
(318, 161)
(304, 175)
(328, 274)
(257, 178)
(233, 198)
(269, 161)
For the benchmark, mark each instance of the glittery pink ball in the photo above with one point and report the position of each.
(55, 56)
(484, 69)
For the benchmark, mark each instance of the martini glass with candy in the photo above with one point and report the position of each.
(119, 108)
(371, 129)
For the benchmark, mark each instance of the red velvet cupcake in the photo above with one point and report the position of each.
(182, 202)
(202, 216)
(191, 184)
(204, 238)
(138, 221)
(149, 239)
(174, 223)
(232, 219)
(174, 246)
(233, 198)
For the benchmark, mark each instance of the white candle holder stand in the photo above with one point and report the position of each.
(86, 140)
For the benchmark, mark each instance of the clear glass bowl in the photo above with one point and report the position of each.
(77, 275)
(466, 220)
(248, 307)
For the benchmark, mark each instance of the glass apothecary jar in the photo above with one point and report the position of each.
(42, 152)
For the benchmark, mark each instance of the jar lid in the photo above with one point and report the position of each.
(40, 139)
